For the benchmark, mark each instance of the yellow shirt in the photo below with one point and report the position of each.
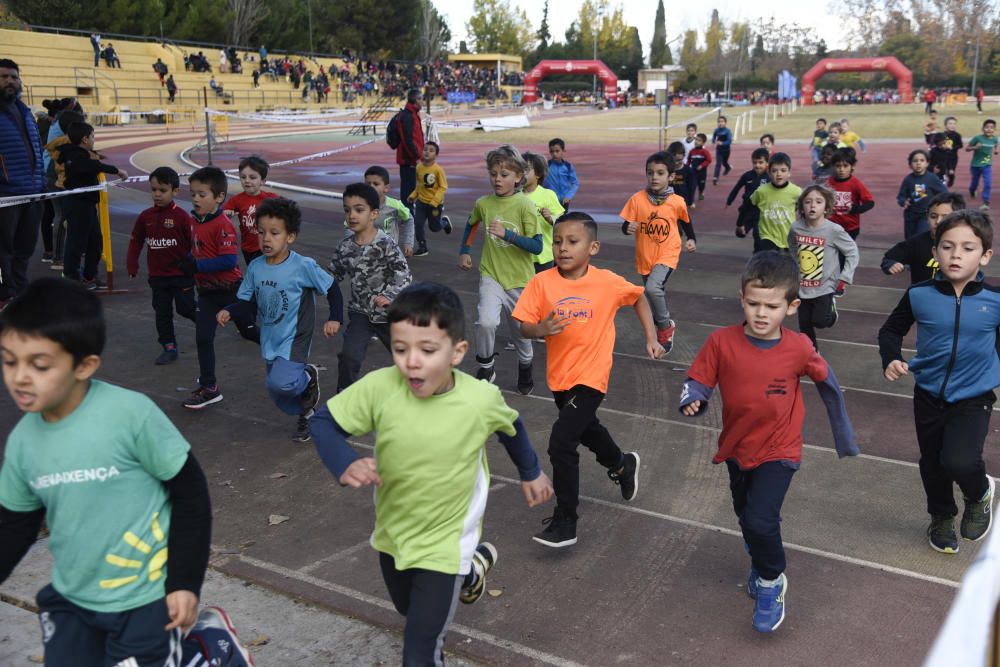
(431, 184)
(850, 138)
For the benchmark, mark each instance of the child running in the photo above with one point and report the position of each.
(917, 188)
(393, 217)
(955, 370)
(985, 147)
(429, 466)
(282, 286)
(216, 274)
(682, 176)
(748, 214)
(954, 145)
(827, 257)
(756, 366)
(851, 197)
(573, 307)
(561, 178)
(698, 159)
(546, 203)
(428, 197)
(377, 272)
(242, 208)
(165, 228)
(777, 201)
(655, 216)
(722, 137)
(513, 238)
(917, 252)
(818, 141)
(126, 503)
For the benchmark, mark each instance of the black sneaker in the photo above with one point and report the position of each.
(421, 251)
(487, 373)
(446, 224)
(202, 397)
(525, 381)
(168, 356)
(560, 531)
(978, 515)
(941, 535)
(310, 397)
(302, 433)
(94, 284)
(483, 560)
(627, 477)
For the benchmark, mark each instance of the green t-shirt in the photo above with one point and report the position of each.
(777, 211)
(99, 473)
(545, 198)
(982, 156)
(509, 265)
(430, 455)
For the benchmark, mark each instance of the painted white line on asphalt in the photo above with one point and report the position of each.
(336, 555)
(478, 635)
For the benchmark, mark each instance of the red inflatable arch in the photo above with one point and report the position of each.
(904, 77)
(546, 67)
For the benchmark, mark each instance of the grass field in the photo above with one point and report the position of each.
(883, 121)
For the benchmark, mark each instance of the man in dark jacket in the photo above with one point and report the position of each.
(411, 145)
(20, 174)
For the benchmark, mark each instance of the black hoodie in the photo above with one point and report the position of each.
(82, 169)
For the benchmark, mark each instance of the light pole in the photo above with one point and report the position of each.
(975, 68)
(597, 28)
(309, 10)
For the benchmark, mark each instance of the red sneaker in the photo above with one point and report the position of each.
(665, 336)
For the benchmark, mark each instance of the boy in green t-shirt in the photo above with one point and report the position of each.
(393, 217)
(547, 204)
(109, 470)
(985, 147)
(776, 201)
(513, 238)
(429, 468)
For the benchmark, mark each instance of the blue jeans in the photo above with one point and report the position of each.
(286, 380)
(986, 173)
(757, 498)
(424, 213)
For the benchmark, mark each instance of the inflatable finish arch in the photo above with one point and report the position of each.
(904, 77)
(546, 67)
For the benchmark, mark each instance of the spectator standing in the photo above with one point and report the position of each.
(411, 144)
(21, 149)
(980, 95)
(95, 41)
(171, 88)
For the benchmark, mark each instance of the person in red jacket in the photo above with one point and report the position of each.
(930, 97)
(165, 229)
(411, 145)
(980, 96)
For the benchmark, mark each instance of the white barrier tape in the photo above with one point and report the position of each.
(25, 199)
(682, 123)
(265, 118)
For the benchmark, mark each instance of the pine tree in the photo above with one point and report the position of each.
(659, 54)
(543, 31)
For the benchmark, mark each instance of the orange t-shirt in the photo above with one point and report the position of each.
(658, 239)
(580, 353)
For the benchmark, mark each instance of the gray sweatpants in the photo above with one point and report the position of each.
(656, 294)
(495, 301)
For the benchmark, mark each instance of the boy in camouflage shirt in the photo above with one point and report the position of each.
(377, 271)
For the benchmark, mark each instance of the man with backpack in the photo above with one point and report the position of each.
(405, 133)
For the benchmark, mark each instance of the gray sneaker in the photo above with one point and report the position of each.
(978, 515)
(941, 535)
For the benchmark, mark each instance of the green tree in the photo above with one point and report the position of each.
(497, 27)
(431, 36)
(691, 57)
(659, 52)
(910, 49)
(544, 35)
(739, 46)
(821, 51)
(758, 54)
(715, 35)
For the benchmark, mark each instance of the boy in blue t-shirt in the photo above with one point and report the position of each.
(561, 178)
(283, 285)
(722, 137)
(110, 472)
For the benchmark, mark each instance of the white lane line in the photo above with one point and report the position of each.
(735, 533)
(336, 555)
(485, 637)
(498, 486)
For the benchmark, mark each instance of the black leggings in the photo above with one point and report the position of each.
(427, 599)
(816, 313)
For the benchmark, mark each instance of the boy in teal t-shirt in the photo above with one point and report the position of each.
(985, 147)
(429, 467)
(513, 238)
(777, 201)
(110, 472)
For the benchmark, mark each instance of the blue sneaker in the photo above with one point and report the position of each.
(769, 607)
(752, 583)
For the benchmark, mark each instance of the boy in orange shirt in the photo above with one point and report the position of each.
(653, 215)
(573, 306)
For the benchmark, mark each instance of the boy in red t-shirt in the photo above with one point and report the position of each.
(166, 229)
(573, 307)
(850, 196)
(757, 366)
(655, 217)
(698, 158)
(242, 208)
(213, 264)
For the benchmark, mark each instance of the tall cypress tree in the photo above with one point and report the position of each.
(659, 54)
